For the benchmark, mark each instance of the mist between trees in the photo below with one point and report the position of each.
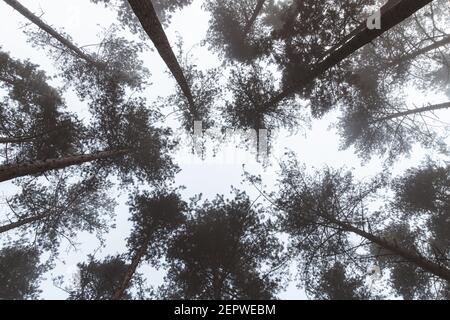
(92, 151)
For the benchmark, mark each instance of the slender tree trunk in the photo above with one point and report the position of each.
(11, 171)
(412, 257)
(42, 25)
(410, 56)
(4, 140)
(146, 14)
(430, 108)
(394, 12)
(118, 295)
(20, 223)
(256, 12)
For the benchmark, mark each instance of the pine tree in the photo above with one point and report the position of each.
(35, 124)
(156, 217)
(20, 273)
(59, 210)
(336, 284)
(220, 254)
(233, 29)
(99, 280)
(377, 119)
(321, 211)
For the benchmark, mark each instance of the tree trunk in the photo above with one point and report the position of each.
(4, 140)
(436, 45)
(20, 223)
(118, 295)
(394, 12)
(11, 171)
(412, 257)
(146, 14)
(41, 24)
(256, 12)
(430, 108)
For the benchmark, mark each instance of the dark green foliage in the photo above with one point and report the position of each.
(323, 212)
(156, 217)
(20, 273)
(127, 125)
(425, 189)
(252, 89)
(33, 117)
(99, 280)
(406, 278)
(423, 194)
(277, 57)
(375, 81)
(250, 109)
(311, 205)
(164, 9)
(114, 67)
(60, 210)
(205, 89)
(226, 33)
(225, 251)
(335, 284)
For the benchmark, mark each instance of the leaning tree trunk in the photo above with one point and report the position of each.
(394, 12)
(20, 223)
(11, 171)
(412, 257)
(430, 108)
(52, 32)
(5, 140)
(410, 56)
(98, 64)
(146, 14)
(256, 12)
(118, 295)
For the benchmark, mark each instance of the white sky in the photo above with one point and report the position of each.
(84, 21)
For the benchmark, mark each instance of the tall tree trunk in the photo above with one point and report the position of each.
(410, 56)
(412, 257)
(256, 12)
(4, 140)
(11, 171)
(146, 14)
(20, 223)
(394, 12)
(430, 108)
(42, 25)
(118, 295)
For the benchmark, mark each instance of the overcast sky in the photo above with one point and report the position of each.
(84, 22)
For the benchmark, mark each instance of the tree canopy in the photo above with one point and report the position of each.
(87, 124)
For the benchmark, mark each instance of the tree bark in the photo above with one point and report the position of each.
(412, 257)
(4, 140)
(20, 223)
(146, 14)
(393, 13)
(118, 295)
(430, 108)
(42, 25)
(256, 12)
(11, 171)
(436, 45)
